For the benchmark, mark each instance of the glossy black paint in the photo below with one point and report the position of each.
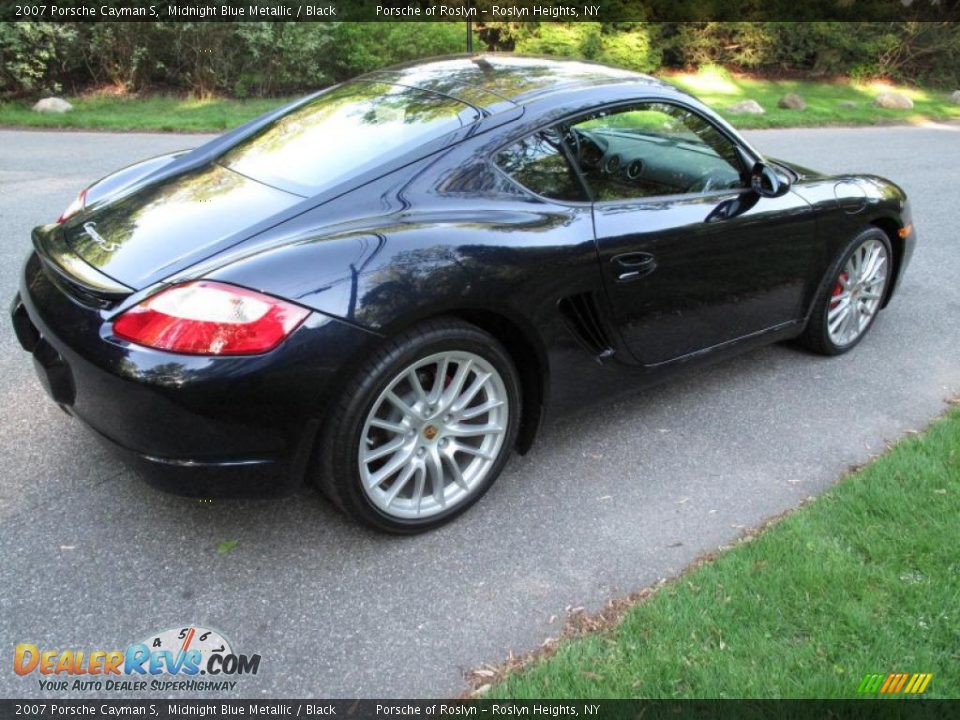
(670, 282)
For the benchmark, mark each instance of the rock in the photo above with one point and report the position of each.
(893, 101)
(849, 105)
(751, 107)
(52, 105)
(792, 101)
(955, 97)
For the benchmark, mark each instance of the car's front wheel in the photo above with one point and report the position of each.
(423, 429)
(852, 296)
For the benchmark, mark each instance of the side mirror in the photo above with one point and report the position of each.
(767, 182)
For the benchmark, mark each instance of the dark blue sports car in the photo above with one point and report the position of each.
(382, 288)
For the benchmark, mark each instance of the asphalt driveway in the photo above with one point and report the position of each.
(609, 500)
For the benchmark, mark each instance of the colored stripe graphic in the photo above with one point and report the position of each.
(914, 683)
(895, 683)
(899, 686)
(888, 682)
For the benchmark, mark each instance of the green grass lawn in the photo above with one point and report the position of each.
(158, 112)
(713, 85)
(720, 90)
(866, 579)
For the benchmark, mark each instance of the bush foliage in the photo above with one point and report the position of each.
(265, 59)
(235, 59)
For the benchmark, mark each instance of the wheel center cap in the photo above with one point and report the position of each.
(430, 432)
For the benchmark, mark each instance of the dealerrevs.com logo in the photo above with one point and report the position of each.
(171, 660)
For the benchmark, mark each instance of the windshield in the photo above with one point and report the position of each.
(342, 131)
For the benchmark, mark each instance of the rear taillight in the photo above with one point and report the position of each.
(74, 207)
(210, 318)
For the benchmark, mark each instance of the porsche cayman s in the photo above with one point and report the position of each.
(381, 288)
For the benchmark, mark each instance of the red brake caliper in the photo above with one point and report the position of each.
(838, 288)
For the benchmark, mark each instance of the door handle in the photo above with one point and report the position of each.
(633, 266)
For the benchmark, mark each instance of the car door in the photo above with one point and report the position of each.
(691, 257)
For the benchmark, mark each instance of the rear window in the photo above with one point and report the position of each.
(343, 131)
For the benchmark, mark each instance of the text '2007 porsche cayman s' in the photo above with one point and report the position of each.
(380, 289)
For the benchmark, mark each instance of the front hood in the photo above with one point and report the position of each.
(145, 236)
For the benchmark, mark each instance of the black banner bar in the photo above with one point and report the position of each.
(477, 10)
(872, 709)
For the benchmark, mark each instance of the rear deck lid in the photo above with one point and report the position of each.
(352, 131)
(144, 236)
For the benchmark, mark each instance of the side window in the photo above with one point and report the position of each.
(653, 149)
(538, 163)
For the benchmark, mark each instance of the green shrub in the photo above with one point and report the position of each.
(283, 58)
(632, 46)
(263, 59)
(206, 58)
(905, 51)
(128, 56)
(747, 45)
(35, 57)
(574, 40)
(362, 47)
(626, 45)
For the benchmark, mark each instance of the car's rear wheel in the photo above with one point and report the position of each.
(424, 428)
(849, 303)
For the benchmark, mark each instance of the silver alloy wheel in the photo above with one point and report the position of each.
(433, 435)
(857, 293)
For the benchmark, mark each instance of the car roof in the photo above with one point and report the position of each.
(492, 82)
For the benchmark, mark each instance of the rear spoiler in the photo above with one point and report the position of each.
(56, 255)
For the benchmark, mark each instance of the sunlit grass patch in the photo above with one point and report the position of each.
(157, 112)
(828, 103)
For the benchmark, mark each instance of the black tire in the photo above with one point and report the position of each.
(816, 335)
(336, 466)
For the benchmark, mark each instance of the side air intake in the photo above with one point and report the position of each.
(583, 319)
